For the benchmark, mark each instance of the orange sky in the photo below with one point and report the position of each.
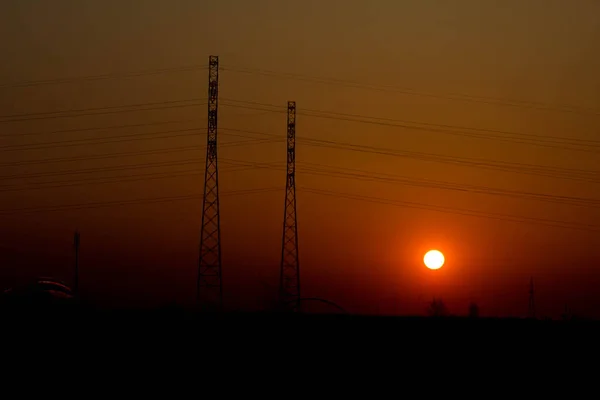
(365, 256)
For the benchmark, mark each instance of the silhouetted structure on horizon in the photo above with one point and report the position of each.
(473, 310)
(289, 276)
(437, 308)
(531, 310)
(76, 241)
(40, 294)
(209, 293)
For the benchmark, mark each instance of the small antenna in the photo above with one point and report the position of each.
(76, 241)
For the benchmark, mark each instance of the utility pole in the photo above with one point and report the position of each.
(76, 278)
(289, 279)
(209, 292)
(531, 311)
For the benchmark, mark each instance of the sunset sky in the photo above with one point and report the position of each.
(469, 107)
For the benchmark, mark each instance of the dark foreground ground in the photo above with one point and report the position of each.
(261, 346)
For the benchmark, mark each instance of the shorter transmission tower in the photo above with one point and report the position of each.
(289, 279)
(531, 311)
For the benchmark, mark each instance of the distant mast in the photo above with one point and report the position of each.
(76, 280)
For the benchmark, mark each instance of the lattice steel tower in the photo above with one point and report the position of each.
(209, 293)
(289, 280)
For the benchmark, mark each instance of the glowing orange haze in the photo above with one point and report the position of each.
(366, 256)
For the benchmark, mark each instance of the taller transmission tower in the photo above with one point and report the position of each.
(531, 311)
(289, 280)
(209, 292)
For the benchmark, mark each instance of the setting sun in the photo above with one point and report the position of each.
(434, 259)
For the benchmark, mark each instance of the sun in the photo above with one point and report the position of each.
(434, 259)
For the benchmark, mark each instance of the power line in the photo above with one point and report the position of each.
(396, 179)
(97, 128)
(56, 115)
(451, 210)
(115, 179)
(518, 138)
(320, 80)
(562, 147)
(101, 181)
(528, 136)
(377, 200)
(77, 110)
(101, 156)
(124, 138)
(370, 176)
(550, 172)
(509, 167)
(520, 168)
(319, 170)
(103, 76)
(460, 161)
(85, 140)
(525, 169)
(488, 134)
(413, 92)
(116, 168)
(71, 207)
(75, 143)
(479, 163)
(102, 169)
(429, 207)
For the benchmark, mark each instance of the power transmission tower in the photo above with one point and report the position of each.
(209, 292)
(531, 311)
(289, 279)
(76, 278)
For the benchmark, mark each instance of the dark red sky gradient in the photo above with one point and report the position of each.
(501, 82)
